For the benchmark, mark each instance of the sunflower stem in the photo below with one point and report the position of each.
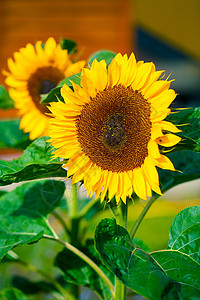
(73, 210)
(121, 218)
(142, 215)
(86, 259)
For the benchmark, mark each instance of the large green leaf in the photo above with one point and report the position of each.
(78, 272)
(181, 261)
(35, 163)
(24, 213)
(139, 270)
(5, 101)
(184, 233)
(102, 55)
(189, 119)
(11, 136)
(12, 294)
(55, 93)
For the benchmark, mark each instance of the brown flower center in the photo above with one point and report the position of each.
(42, 82)
(114, 129)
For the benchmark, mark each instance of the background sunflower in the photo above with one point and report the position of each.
(34, 71)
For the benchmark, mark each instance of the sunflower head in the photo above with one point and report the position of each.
(35, 70)
(111, 126)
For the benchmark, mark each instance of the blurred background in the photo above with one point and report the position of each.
(165, 32)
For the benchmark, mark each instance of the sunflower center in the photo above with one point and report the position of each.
(47, 86)
(42, 81)
(114, 134)
(114, 129)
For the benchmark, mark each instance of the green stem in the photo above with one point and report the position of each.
(121, 218)
(62, 222)
(87, 207)
(86, 259)
(142, 215)
(73, 212)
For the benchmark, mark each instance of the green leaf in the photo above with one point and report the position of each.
(11, 136)
(189, 119)
(35, 163)
(184, 235)
(139, 270)
(181, 261)
(134, 267)
(69, 45)
(5, 101)
(102, 55)
(24, 213)
(29, 287)
(78, 272)
(188, 164)
(55, 93)
(12, 294)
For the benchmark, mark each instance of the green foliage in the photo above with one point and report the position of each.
(55, 94)
(11, 136)
(29, 287)
(12, 294)
(188, 120)
(34, 163)
(69, 45)
(78, 272)
(188, 165)
(24, 213)
(132, 265)
(5, 101)
(102, 55)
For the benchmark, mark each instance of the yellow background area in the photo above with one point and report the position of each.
(175, 21)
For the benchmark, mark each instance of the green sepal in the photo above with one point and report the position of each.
(69, 45)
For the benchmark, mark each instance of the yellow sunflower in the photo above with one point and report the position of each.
(111, 127)
(35, 70)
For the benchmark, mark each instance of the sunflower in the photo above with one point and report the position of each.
(35, 71)
(111, 126)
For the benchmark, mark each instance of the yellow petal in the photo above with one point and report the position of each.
(113, 184)
(156, 88)
(93, 176)
(81, 173)
(139, 185)
(156, 131)
(153, 149)
(165, 163)
(142, 75)
(150, 170)
(163, 100)
(168, 140)
(114, 72)
(169, 126)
